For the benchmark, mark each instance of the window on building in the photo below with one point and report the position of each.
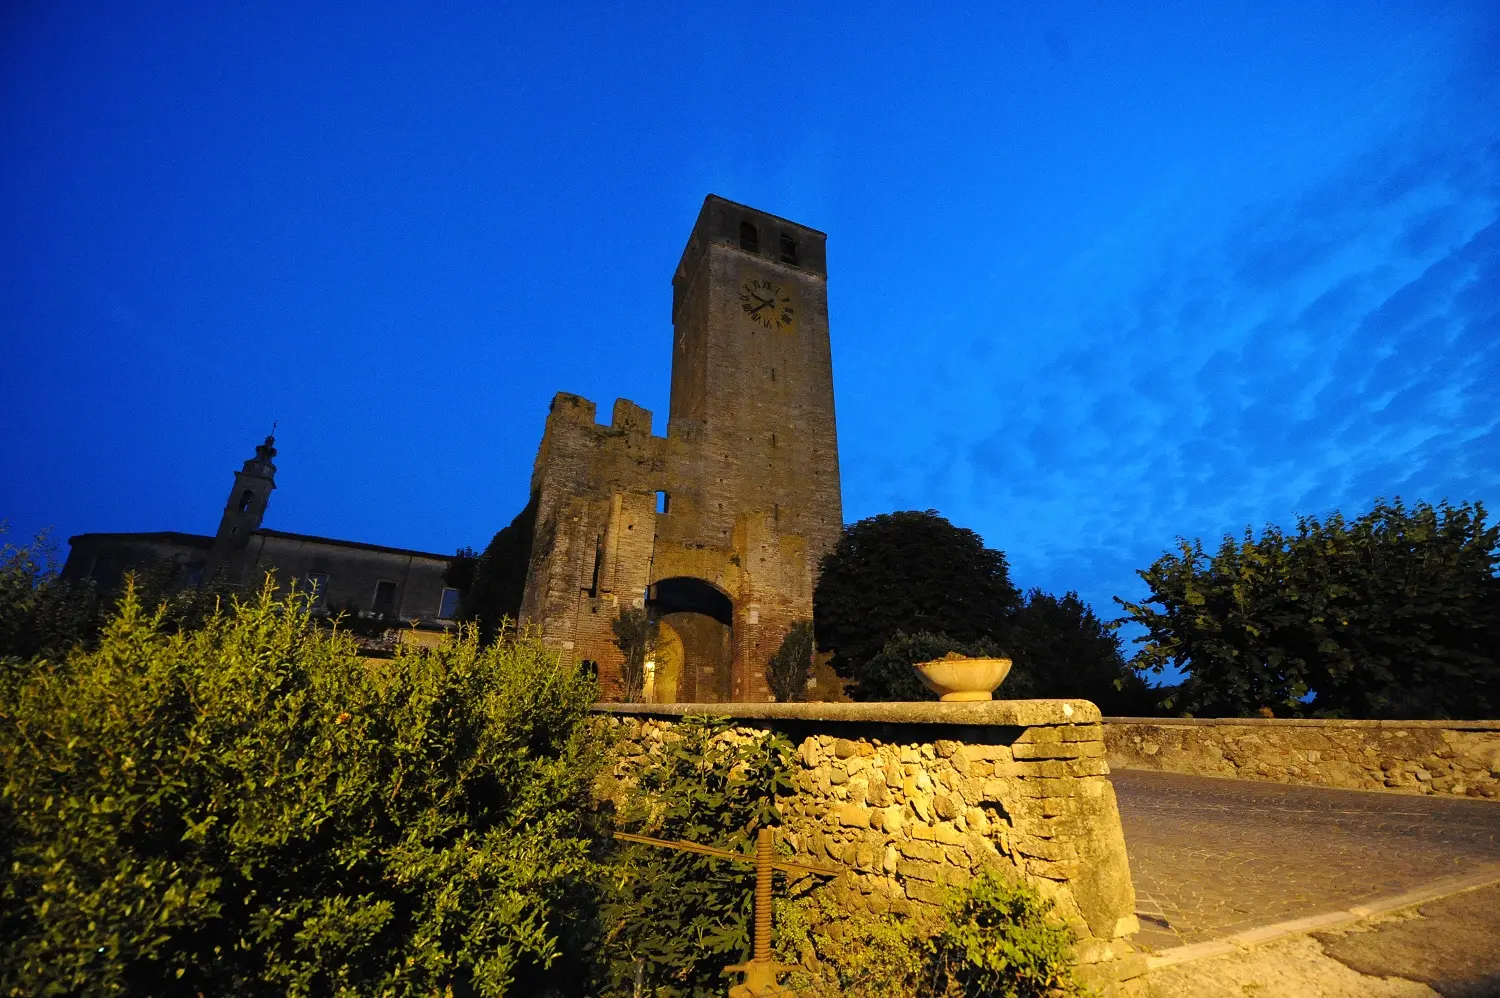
(788, 249)
(317, 588)
(246, 498)
(663, 503)
(448, 605)
(749, 237)
(385, 598)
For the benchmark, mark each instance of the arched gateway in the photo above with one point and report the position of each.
(739, 500)
(693, 658)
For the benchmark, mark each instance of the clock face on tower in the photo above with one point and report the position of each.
(768, 304)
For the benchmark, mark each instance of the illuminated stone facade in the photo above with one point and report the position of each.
(718, 527)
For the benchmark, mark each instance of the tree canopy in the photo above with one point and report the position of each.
(889, 675)
(906, 587)
(498, 579)
(909, 571)
(1393, 614)
(1062, 649)
(791, 665)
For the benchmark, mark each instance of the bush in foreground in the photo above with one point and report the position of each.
(250, 808)
(39, 613)
(671, 921)
(994, 939)
(674, 920)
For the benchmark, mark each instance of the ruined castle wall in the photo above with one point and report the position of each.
(591, 551)
(750, 464)
(912, 799)
(1454, 758)
(599, 543)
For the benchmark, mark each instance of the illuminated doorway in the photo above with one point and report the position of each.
(695, 621)
(664, 668)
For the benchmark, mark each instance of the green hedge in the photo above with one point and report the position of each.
(251, 808)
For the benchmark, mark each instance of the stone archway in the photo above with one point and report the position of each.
(699, 617)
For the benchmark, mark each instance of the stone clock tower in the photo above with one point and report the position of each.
(718, 528)
(752, 379)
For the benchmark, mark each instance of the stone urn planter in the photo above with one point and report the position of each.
(957, 678)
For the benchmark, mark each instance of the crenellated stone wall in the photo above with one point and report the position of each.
(913, 798)
(1455, 758)
(717, 528)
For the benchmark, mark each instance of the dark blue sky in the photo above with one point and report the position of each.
(1097, 278)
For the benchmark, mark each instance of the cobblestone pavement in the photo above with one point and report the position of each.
(1211, 857)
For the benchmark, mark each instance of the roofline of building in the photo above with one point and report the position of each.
(206, 540)
(352, 544)
(761, 211)
(155, 535)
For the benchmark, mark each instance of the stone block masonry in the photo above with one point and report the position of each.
(718, 528)
(912, 799)
(1452, 758)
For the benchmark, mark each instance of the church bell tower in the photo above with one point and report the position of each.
(243, 512)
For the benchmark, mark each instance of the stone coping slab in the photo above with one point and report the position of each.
(1000, 713)
(1303, 722)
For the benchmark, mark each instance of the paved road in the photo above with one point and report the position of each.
(1451, 945)
(1212, 857)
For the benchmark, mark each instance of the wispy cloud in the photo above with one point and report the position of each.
(1331, 347)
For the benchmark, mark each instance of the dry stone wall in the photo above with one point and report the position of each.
(1454, 758)
(913, 799)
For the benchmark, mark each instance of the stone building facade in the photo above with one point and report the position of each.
(367, 579)
(717, 528)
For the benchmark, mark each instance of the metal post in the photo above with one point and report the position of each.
(760, 972)
(763, 895)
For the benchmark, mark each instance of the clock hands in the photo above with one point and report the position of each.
(772, 302)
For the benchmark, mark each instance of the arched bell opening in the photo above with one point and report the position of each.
(695, 622)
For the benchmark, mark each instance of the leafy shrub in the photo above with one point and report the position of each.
(996, 941)
(890, 676)
(42, 615)
(635, 636)
(993, 940)
(39, 613)
(252, 809)
(1393, 614)
(789, 668)
(673, 920)
(846, 952)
